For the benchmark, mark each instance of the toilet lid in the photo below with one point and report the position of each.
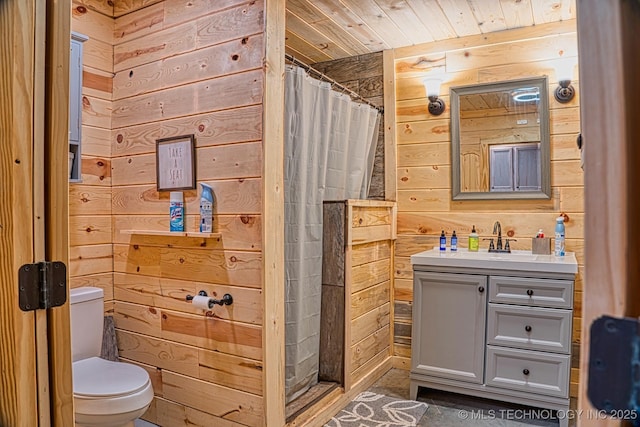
(96, 377)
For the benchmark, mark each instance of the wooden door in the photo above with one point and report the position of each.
(35, 356)
(609, 42)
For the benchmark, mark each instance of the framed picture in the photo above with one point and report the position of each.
(175, 163)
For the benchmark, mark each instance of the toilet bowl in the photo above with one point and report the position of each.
(105, 393)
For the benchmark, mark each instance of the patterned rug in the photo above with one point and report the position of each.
(377, 410)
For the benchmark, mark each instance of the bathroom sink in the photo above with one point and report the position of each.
(515, 260)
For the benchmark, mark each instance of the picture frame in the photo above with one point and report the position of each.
(176, 163)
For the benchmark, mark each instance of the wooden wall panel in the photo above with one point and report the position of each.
(222, 59)
(213, 399)
(356, 292)
(190, 68)
(220, 127)
(87, 20)
(198, 97)
(163, 38)
(424, 172)
(231, 197)
(90, 225)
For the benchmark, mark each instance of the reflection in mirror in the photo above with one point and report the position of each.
(500, 140)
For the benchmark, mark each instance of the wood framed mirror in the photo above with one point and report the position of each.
(500, 140)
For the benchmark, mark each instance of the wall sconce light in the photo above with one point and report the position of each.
(432, 88)
(564, 72)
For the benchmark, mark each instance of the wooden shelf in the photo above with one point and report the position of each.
(172, 233)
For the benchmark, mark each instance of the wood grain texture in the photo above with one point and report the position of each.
(217, 128)
(222, 59)
(202, 31)
(368, 299)
(229, 404)
(171, 294)
(88, 20)
(240, 90)
(332, 334)
(191, 68)
(273, 274)
(89, 230)
(176, 414)
(97, 83)
(103, 6)
(231, 197)
(612, 272)
(370, 322)
(333, 242)
(366, 349)
(19, 389)
(242, 232)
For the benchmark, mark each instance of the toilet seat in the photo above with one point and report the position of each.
(104, 387)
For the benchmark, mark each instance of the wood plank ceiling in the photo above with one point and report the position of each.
(323, 30)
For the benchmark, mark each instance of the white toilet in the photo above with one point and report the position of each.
(105, 393)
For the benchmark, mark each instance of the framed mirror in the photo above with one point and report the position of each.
(500, 140)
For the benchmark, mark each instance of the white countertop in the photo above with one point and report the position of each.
(516, 260)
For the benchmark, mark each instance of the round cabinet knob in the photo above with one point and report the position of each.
(525, 371)
(481, 289)
(527, 328)
(529, 292)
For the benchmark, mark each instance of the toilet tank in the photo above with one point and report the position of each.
(87, 320)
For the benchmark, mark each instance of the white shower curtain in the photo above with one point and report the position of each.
(329, 153)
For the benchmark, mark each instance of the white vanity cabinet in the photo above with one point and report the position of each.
(494, 328)
(449, 333)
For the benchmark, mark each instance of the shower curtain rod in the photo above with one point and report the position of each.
(328, 79)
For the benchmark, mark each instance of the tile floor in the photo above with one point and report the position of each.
(455, 410)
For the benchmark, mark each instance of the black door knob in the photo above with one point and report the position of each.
(481, 289)
(527, 328)
(529, 292)
(525, 371)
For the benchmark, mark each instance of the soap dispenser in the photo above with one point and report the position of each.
(474, 241)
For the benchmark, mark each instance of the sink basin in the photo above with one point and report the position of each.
(516, 260)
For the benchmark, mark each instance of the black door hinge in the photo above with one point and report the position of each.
(614, 367)
(42, 285)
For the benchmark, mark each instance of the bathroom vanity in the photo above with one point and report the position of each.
(494, 325)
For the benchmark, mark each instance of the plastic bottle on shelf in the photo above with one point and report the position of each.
(454, 241)
(443, 241)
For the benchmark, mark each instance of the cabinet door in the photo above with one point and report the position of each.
(449, 325)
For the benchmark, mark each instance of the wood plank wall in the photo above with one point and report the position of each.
(190, 68)
(355, 330)
(423, 156)
(371, 232)
(363, 74)
(91, 250)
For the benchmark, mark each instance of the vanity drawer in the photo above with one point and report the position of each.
(529, 371)
(530, 328)
(530, 291)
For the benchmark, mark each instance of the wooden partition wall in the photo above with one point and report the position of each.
(182, 69)
(423, 169)
(356, 289)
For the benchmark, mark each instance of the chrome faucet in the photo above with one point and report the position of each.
(498, 228)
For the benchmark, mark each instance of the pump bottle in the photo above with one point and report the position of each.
(474, 240)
